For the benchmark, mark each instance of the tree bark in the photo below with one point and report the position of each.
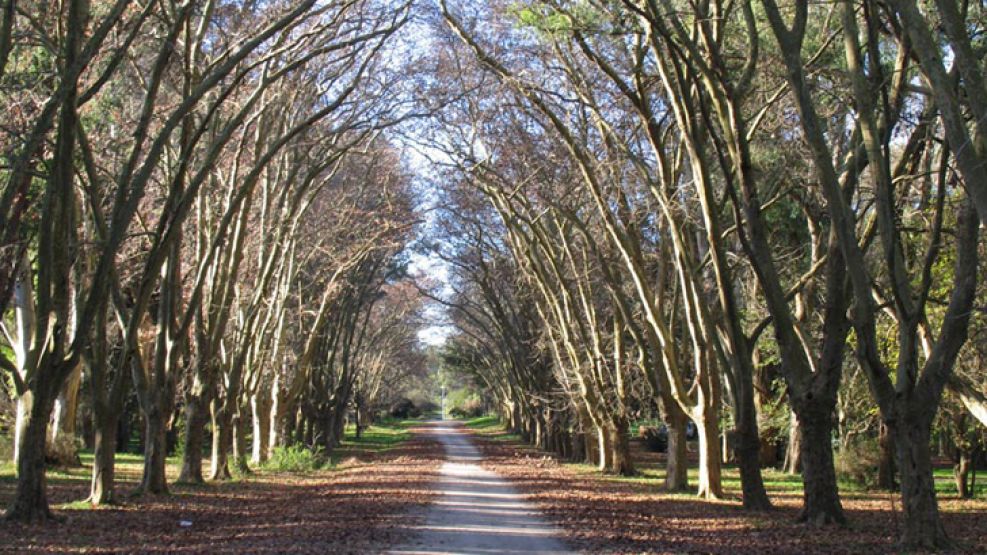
(677, 462)
(25, 402)
(821, 496)
(261, 412)
(749, 450)
(923, 526)
(155, 480)
(195, 424)
(886, 465)
(62, 449)
(221, 439)
(282, 421)
(710, 478)
(240, 440)
(30, 502)
(604, 448)
(793, 452)
(961, 474)
(623, 464)
(104, 469)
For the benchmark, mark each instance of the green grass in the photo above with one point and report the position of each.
(946, 484)
(484, 423)
(380, 436)
(776, 481)
(491, 428)
(80, 505)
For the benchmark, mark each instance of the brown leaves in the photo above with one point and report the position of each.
(356, 508)
(612, 515)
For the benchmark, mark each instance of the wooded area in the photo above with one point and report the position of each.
(748, 226)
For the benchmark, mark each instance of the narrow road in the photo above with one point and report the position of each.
(478, 511)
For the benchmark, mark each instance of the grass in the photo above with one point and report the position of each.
(380, 436)
(484, 423)
(775, 480)
(946, 484)
(491, 428)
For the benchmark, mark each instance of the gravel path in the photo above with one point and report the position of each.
(477, 511)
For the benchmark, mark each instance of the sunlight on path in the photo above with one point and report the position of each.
(478, 511)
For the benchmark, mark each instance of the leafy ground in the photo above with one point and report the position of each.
(365, 501)
(629, 515)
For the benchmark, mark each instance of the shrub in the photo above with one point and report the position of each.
(295, 458)
(464, 403)
(425, 407)
(471, 408)
(404, 408)
(655, 438)
(858, 464)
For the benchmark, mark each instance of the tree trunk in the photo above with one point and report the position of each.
(749, 452)
(538, 438)
(240, 440)
(358, 415)
(104, 466)
(923, 526)
(623, 464)
(307, 428)
(25, 403)
(30, 502)
(195, 427)
(261, 411)
(62, 449)
(282, 423)
(710, 480)
(605, 444)
(677, 461)
(821, 498)
(155, 479)
(886, 466)
(578, 449)
(961, 473)
(793, 452)
(338, 427)
(221, 439)
(589, 439)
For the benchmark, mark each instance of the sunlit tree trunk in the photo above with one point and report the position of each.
(62, 447)
(261, 418)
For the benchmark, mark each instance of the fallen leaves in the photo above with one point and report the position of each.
(601, 514)
(361, 506)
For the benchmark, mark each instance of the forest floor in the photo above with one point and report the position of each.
(367, 500)
(611, 514)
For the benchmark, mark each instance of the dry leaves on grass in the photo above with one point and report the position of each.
(360, 507)
(603, 515)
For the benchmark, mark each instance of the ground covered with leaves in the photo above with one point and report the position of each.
(607, 514)
(364, 503)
